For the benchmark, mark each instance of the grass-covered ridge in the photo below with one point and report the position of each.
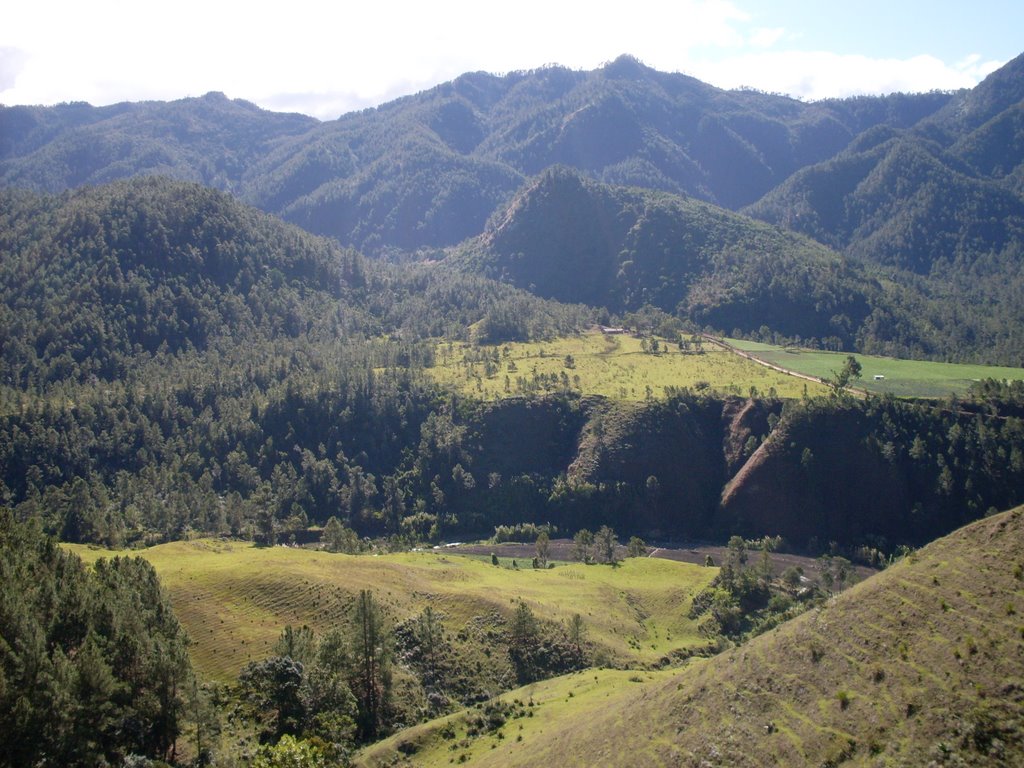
(919, 665)
(234, 599)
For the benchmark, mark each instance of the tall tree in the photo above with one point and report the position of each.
(605, 542)
(543, 548)
(582, 543)
(371, 670)
(523, 643)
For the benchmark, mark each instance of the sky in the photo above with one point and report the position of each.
(328, 58)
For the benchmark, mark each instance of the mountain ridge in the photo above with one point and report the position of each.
(481, 134)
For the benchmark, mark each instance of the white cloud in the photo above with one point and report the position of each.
(764, 37)
(975, 67)
(12, 61)
(819, 75)
(326, 59)
(341, 55)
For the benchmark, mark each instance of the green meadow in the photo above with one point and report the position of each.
(614, 366)
(903, 378)
(234, 598)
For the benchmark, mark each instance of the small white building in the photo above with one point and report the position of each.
(879, 377)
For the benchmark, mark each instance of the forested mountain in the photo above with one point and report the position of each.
(96, 280)
(210, 140)
(428, 169)
(942, 197)
(925, 187)
(570, 238)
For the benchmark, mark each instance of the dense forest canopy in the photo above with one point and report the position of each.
(93, 663)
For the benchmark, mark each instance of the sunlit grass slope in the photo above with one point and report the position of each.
(614, 366)
(234, 599)
(535, 720)
(903, 378)
(922, 664)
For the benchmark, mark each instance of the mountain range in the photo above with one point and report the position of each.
(918, 199)
(427, 170)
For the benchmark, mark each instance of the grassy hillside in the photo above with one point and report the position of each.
(903, 378)
(234, 599)
(612, 366)
(919, 665)
(534, 720)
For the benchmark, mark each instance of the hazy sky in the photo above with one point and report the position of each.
(325, 59)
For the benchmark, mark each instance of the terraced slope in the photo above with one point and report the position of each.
(234, 599)
(920, 665)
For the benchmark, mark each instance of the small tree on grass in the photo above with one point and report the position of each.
(297, 643)
(605, 541)
(523, 642)
(582, 543)
(636, 547)
(543, 548)
(430, 636)
(340, 538)
(577, 633)
(841, 379)
(290, 752)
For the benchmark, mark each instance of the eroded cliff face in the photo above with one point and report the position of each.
(817, 477)
(665, 457)
(653, 468)
(879, 473)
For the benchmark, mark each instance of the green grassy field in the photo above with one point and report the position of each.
(234, 599)
(918, 665)
(612, 366)
(903, 378)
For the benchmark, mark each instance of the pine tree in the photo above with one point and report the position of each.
(371, 681)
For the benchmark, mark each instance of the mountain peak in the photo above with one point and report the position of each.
(626, 67)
